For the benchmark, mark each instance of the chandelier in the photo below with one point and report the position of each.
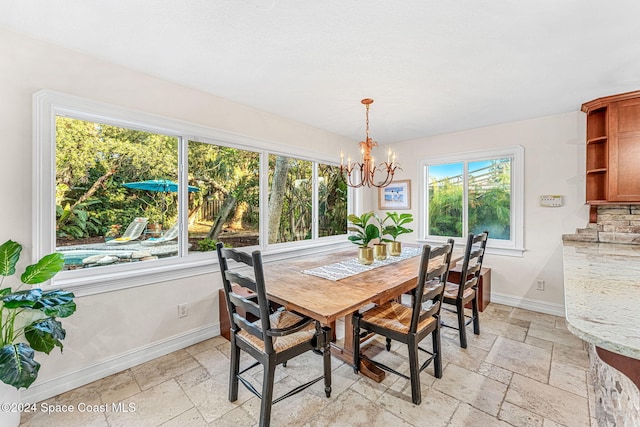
(367, 171)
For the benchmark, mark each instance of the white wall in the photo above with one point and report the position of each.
(111, 330)
(554, 164)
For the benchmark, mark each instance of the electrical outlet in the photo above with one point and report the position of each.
(540, 285)
(182, 310)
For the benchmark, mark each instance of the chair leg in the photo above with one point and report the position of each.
(414, 369)
(476, 318)
(233, 372)
(388, 344)
(461, 324)
(326, 359)
(266, 402)
(356, 344)
(437, 352)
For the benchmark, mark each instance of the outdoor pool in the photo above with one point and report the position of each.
(75, 256)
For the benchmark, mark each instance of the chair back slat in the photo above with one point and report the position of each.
(471, 283)
(472, 263)
(431, 295)
(472, 269)
(239, 279)
(245, 304)
(237, 256)
(238, 306)
(433, 273)
(248, 326)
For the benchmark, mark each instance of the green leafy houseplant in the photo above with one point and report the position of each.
(29, 315)
(396, 228)
(364, 232)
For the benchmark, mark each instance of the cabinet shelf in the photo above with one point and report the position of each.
(597, 140)
(595, 171)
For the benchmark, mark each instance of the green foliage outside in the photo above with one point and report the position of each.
(297, 209)
(93, 161)
(445, 210)
(207, 245)
(332, 209)
(489, 204)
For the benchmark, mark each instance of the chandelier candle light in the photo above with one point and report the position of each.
(368, 169)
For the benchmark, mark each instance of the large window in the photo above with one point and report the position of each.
(474, 192)
(292, 201)
(227, 207)
(128, 194)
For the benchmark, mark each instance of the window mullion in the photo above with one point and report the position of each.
(465, 199)
(315, 188)
(264, 200)
(183, 201)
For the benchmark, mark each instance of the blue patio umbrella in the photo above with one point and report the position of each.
(161, 185)
(158, 185)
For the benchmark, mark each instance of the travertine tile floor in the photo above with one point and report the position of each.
(524, 369)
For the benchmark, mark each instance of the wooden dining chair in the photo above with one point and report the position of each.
(410, 325)
(271, 337)
(460, 294)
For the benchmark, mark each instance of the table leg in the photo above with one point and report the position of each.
(345, 353)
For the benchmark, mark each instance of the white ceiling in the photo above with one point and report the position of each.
(432, 66)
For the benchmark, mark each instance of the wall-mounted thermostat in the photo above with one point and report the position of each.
(551, 200)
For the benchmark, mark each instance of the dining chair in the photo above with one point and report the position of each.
(270, 336)
(460, 294)
(410, 325)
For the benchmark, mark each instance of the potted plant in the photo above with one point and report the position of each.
(395, 229)
(363, 233)
(28, 317)
(155, 217)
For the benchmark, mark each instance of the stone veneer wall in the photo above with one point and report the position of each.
(616, 224)
(617, 398)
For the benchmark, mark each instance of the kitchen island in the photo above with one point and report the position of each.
(602, 306)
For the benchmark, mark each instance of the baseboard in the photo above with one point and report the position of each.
(104, 368)
(529, 304)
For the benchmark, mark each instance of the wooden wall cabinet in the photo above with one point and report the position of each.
(613, 150)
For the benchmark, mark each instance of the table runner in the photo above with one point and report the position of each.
(351, 267)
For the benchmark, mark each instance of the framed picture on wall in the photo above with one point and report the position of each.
(396, 195)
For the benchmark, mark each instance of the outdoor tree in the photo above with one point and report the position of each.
(89, 156)
(225, 173)
(276, 195)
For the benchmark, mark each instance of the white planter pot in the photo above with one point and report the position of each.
(9, 405)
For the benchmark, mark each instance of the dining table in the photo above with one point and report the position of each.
(293, 283)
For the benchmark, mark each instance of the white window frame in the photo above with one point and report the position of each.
(49, 104)
(512, 247)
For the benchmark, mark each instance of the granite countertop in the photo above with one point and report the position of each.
(602, 294)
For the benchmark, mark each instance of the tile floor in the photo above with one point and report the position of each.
(525, 369)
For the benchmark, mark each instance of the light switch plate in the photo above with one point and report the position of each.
(551, 200)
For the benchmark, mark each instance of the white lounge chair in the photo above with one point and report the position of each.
(133, 231)
(170, 234)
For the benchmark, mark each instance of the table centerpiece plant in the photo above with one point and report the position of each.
(364, 231)
(28, 316)
(395, 229)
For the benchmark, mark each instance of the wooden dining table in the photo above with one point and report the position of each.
(327, 300)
